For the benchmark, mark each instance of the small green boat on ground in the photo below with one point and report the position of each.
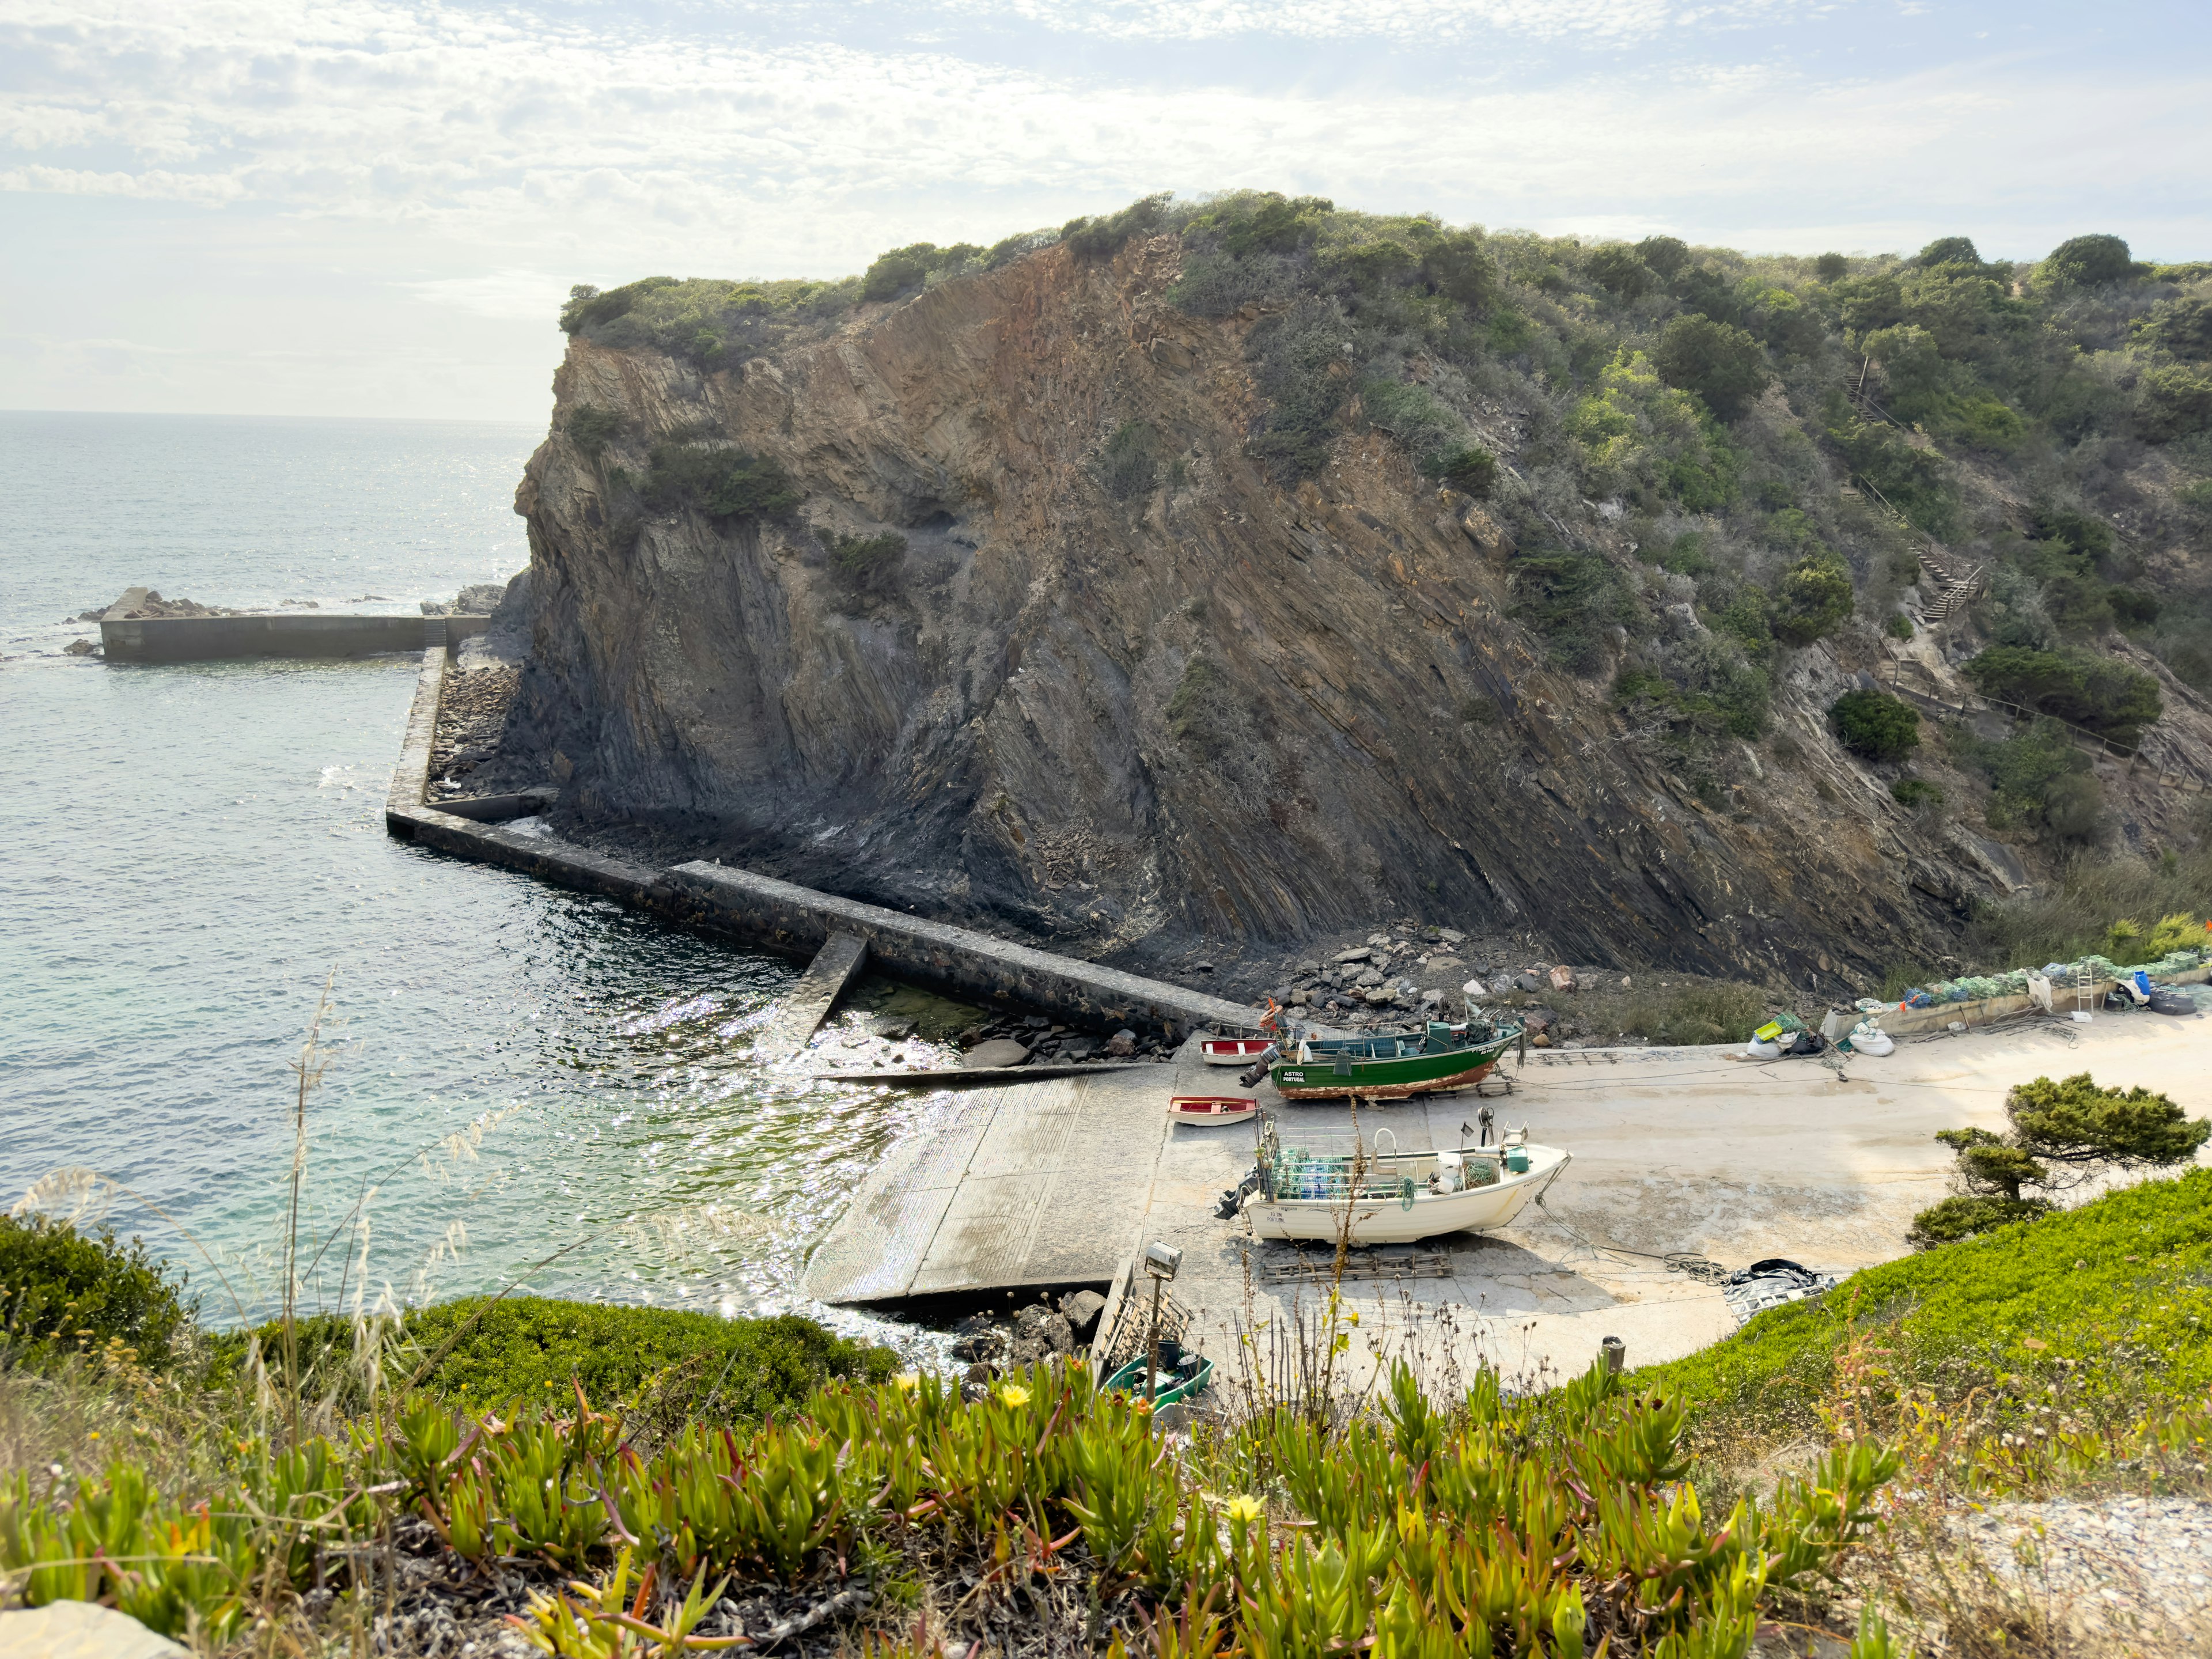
(1393, 1065)
(1187, 1377)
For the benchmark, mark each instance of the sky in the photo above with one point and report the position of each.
(375, 207)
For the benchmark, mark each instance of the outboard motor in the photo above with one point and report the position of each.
(1250, 1076)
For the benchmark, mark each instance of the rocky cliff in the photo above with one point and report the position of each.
(1035, 640)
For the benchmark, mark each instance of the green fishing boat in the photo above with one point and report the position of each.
(1393, 1065)
(1187, 1376)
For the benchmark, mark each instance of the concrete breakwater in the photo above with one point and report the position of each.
(214, 639)
(778, 915)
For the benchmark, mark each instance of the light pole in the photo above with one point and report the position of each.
(1161, 1261)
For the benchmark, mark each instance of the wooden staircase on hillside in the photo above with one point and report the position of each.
(1955, 581)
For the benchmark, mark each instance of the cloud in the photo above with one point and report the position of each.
(522, 295)
(733, 152)
(154, 183)
(454, 164)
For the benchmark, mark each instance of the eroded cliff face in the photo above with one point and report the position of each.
(1219, 708)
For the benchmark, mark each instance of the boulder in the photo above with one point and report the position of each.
(1081, 1310)
(1372, 977)
(1527, 982)
(1563, 979)
(81, 647)
(1452, 936)
(1004, 1051)
(1382, 994)
(1358, 953)
(1474, 990)
(1121, 1044)
(1077, 1048)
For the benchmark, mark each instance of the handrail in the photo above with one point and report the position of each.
(2107, 745)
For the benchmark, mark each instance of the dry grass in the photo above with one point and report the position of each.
(2070, 920)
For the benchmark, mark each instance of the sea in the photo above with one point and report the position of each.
(506, 1085)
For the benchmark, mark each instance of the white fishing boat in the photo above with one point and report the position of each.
(1391, 1197)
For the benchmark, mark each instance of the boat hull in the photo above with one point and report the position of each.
(1389, 1220)
(1130, 1379)
(1231, 1051)
(1212, 1109)
(1394, 1078)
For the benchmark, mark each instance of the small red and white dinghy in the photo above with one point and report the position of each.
(1232, 1050)
(1236, 1045)
(1212, 1109)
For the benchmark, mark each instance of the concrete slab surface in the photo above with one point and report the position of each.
(1036, 1183)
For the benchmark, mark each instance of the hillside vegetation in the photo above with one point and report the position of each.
(1704, 465)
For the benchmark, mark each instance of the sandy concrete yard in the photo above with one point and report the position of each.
(1689, 1149)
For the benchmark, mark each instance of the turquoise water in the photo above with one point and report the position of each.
(515, 1073)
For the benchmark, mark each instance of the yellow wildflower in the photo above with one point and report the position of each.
(1244, 1507)
(1013, 1393)
(907, 1382)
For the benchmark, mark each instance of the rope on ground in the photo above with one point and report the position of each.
(1702, 1268)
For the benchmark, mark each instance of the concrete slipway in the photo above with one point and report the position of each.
(1675, 1149)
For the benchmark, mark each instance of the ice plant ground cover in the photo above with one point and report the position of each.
(1492, 1524)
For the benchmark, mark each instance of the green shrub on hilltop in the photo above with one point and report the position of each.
(1723, 365)
(2089, 262)
(907, 270)
(2071, 1126)
(63, 1291)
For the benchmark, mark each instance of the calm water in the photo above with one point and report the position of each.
(519, 1073)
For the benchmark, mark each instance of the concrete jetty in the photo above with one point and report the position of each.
(311, 635)
(779, 915)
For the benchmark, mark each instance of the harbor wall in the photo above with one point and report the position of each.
(779, 916)
(214, 639)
